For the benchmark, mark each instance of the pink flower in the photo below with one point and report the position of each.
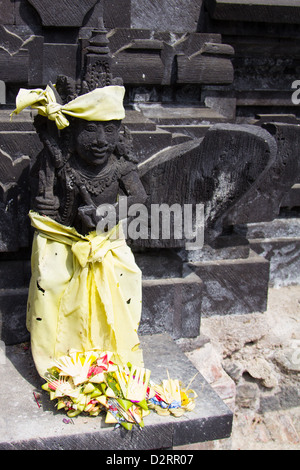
(94, 370)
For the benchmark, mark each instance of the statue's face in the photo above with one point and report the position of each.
(95, 141)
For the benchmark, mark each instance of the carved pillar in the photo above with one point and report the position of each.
(97, 60)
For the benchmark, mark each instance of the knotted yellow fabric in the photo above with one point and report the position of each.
(101, 104)
(85, 293)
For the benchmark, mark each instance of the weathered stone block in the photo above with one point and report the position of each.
(19, 145)
(203, 69)
(171, 296)
(9, 230)
(117, 13)
(35, 66)
(135, 121)
(25, 14)
(184, 115)
(59, 59)
(14, 201)
(14, 273)
(283, 255)
(139, 62)
(233, 286)
(279, 243)
(20, 122)
(63, 13)
(17, 150)
(270, 11)
(142, 57)
(190, 131)
(172, 306)
(13, 315)
(216, 171)
(263, 201)
(14, 68)
(284, 227)
(122, 37)
(7, 12)
(292, 198)
(166, 15)
(20, 60)
(230, 246)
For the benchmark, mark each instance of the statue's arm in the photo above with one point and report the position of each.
(133, 188)
(50, 159)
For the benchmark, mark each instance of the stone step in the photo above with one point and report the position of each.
(292, 198)
(26, 425)
(279, 11)
(277, 228)
(233, 286)
(13, 303)
(278, 242)
(177, 298)
(164, 114)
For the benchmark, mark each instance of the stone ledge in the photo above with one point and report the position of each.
(13, 304)
(23, 425)
(270, 11)
(233, 286)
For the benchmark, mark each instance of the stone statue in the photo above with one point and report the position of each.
(85, 290)
(90, 277)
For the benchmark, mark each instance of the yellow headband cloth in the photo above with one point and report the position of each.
(101, 104)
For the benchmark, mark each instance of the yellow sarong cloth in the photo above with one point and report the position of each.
(85, 293)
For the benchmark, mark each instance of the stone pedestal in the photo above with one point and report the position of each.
(25, 425)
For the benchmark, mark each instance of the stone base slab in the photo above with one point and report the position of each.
(25, 425)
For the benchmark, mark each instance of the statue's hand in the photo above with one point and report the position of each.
(87, 214)
(48, 205)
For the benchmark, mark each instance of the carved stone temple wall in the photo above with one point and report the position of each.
(210, 110)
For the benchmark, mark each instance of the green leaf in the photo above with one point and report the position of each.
(143, 404)
(126, 425)
(113, 384)
(126, 404)
(96, 393)
(54, 372)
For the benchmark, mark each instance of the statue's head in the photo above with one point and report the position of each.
(95, 141)
(89, 125)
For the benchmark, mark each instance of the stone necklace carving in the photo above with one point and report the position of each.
(76, 177)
